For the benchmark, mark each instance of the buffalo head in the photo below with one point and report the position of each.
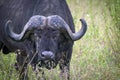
(47, 33)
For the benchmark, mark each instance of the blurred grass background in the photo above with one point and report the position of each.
(97, 55)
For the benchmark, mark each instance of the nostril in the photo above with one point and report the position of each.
(52, 55)
(47, 54)
(43, 54)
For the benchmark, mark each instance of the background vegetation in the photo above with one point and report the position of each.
(97, 55)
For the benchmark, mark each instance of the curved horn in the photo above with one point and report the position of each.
(33, 23)
(58, 22)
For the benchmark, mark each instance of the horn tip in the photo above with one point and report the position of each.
(9, 21)
(83, 21)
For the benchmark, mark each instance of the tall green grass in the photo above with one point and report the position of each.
(96, 55)
(93, 52)
(114, 8)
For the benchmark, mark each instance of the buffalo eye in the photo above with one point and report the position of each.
(55, 35)
(31, 37)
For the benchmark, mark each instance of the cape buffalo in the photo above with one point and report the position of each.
(41, 32)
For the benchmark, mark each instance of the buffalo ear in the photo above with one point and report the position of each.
(1, 44)
(5, 50)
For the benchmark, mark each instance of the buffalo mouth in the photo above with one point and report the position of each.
(49, 64)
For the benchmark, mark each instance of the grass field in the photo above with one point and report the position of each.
(94, 56)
